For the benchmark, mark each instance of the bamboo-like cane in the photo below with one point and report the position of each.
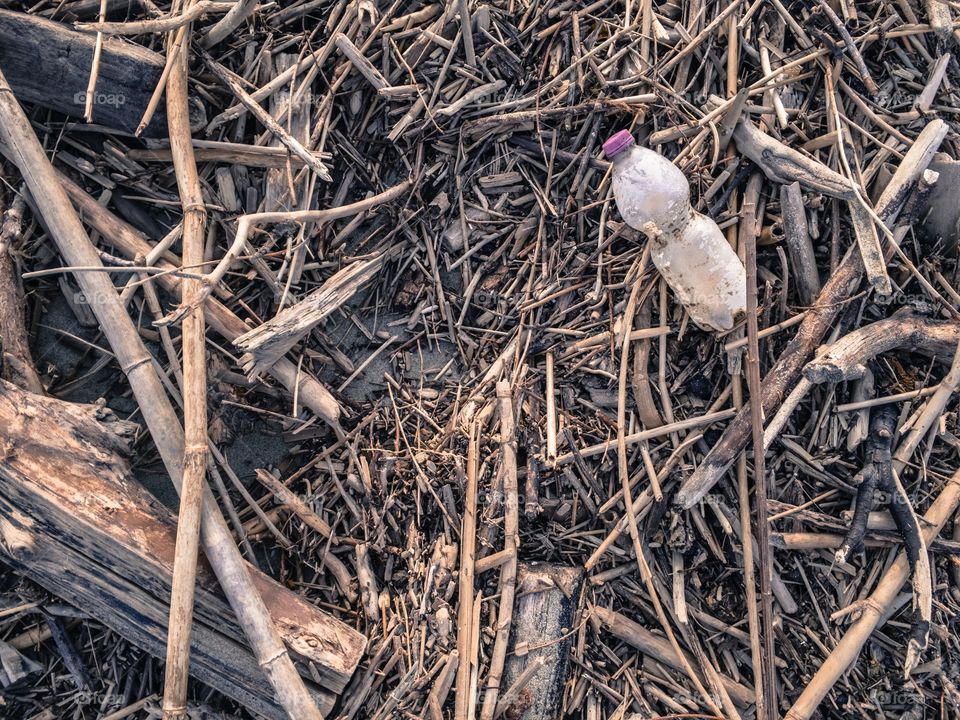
(468, 539)
(19, 142)
(180, 626)
(508, 573)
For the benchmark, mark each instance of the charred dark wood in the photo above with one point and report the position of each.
(48, 63)
(876, 474)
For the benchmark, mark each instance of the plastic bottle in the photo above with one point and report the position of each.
(688, 248)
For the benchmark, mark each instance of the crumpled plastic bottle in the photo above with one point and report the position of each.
(688, 248)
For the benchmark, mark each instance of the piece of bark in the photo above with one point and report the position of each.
(870, 250)
(14, 667)
(265, 345)
(73, 519)
(861, 389)
(548, 597)
(16, 364)
(941, 211)
(48, 63)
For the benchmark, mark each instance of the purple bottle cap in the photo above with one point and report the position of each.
(617, 143)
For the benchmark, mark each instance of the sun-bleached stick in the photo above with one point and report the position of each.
(246, 222)
(180, 626)
(508, 572)
(468, 543)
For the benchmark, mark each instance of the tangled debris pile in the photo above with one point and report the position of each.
(366, 256)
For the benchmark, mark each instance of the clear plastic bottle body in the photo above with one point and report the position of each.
(688, 248)
(703, 270)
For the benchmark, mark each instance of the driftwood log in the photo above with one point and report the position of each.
(73, 519)
(48, 63)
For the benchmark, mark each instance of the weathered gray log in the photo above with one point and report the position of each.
(48, 63)
(796, 237)
(547, 600)
(73, 520)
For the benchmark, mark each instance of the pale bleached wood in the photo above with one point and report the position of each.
(107, 545)
(266, 344)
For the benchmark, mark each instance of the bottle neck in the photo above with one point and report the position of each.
(622, 155)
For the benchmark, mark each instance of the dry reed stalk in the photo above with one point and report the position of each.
(511, 538)
(465, 614)
(748, 244)
(180, 626)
